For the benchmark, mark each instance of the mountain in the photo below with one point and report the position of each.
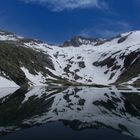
(77, 41)
(79, 61)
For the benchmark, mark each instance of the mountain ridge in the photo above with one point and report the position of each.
(79, 61)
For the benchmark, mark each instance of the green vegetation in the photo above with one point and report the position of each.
(13, 57)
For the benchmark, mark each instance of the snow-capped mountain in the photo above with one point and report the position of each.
(79, 61)
(77, 41)
(77, 107)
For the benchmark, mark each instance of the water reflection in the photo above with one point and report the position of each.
(116, 108)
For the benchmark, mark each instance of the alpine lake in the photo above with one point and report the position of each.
(70, 113)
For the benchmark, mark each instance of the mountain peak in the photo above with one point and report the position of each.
(80, 40)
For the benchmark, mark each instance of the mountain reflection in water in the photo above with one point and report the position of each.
(79, 108)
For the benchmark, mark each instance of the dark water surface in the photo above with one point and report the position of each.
(70, 113)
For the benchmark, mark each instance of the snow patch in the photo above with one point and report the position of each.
(36, 80)
(7, 83)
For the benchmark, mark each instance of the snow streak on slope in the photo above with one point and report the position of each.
(132, 80)
(36, 80)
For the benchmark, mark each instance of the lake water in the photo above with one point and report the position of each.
(70, 113)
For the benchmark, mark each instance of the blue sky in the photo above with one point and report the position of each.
(58, 20)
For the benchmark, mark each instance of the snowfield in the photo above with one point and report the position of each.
(89, 54)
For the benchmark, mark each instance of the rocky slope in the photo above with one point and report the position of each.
(79, 61)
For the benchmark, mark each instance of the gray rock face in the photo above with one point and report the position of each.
(79, 40)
